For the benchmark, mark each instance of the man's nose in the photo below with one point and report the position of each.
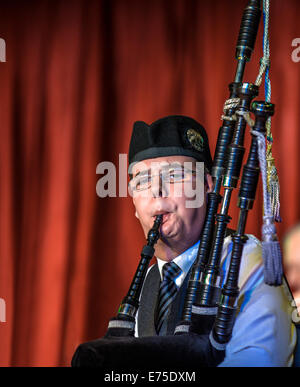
(158, 188)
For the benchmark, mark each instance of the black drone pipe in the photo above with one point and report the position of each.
(244, 47)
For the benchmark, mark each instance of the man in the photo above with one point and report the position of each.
(263, 333)
(291, 260)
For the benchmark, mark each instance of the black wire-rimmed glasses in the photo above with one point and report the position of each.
(144, 180)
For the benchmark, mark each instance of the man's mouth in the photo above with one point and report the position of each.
(166, 215)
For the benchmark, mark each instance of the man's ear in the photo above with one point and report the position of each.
(209, 183)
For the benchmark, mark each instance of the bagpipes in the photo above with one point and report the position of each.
(209, 312)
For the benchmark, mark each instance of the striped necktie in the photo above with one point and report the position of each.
(167, 292)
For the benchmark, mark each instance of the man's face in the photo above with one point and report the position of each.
(170, 196)
(292, 265)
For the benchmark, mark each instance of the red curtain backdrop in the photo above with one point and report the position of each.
(77, 75)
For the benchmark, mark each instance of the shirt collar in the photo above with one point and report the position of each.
(184, 261)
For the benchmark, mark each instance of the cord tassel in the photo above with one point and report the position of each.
(271, 251)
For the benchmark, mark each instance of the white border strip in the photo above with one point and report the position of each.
(204, 310)
(121, 324)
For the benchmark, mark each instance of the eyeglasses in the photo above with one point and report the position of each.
(168, 176)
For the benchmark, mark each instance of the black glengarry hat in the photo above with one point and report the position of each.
(169, 136)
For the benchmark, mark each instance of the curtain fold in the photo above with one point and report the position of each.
(77, 75)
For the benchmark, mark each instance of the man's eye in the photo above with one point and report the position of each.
(176, 175)
(142, 182)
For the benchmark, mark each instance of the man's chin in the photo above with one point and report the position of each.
(170, 236)
(168, 231)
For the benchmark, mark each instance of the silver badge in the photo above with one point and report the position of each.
(195, 139)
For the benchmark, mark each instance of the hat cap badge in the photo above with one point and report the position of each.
(195, 139)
